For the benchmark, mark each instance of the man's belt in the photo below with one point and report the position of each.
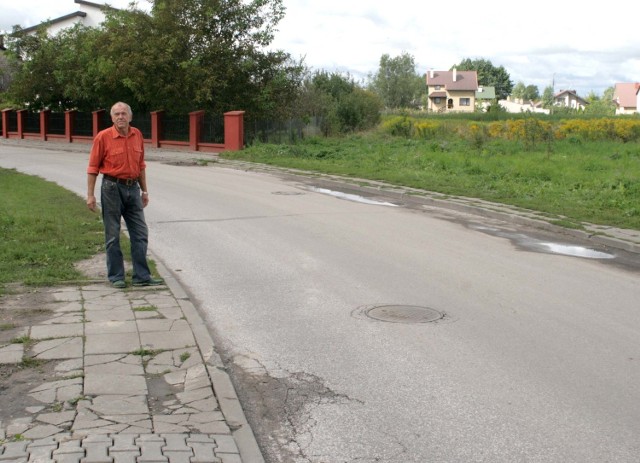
(124, 181)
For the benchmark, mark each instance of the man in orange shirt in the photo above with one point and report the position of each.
(118, 154)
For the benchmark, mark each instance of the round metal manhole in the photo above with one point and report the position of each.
(403, 313)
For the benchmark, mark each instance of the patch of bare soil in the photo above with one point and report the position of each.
(20, 309)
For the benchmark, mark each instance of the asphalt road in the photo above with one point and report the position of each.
(535, 357)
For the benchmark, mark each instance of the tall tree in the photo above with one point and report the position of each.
(547, 97)
(185, 55)
(489, 75)
(397, 82)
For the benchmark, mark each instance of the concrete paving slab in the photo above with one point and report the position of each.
(167, 340)
(101, 384)
(65, 330)
(116, 343)
(63, 348)
(109, 315)
(11, 353)
(111, 326)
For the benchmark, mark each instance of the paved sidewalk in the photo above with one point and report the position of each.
(135, 377)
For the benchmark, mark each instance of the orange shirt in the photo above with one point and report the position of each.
(118, 156)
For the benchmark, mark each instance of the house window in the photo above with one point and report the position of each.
(437, 100)
(438, 87)
(465, 101)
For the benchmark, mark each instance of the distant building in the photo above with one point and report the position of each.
(569, 99)
(451, 90)
(89, 14)
(485, 97)
(625, 96)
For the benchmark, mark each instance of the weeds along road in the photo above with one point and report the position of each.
(320, 306)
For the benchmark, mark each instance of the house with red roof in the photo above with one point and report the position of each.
(451, 90)
(625, 96)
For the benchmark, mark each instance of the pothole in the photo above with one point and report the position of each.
(394, 313)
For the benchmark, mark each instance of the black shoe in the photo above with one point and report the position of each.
(120, 284)
(149, 282)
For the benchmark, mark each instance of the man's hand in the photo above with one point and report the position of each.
(91, 203)
(145, 199)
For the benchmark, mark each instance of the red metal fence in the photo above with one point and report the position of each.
(20, 124)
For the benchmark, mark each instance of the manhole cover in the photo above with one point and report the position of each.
(403, 313)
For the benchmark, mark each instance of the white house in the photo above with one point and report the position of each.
(89, 14)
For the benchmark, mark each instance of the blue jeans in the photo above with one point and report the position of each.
(122, 201)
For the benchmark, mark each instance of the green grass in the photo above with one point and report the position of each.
(596, 182)
(44, 230)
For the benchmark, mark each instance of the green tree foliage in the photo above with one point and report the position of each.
(338, 102)
(489, 75)
(601, 106)
(397, 83)
(531, 93)
(518, 90)
(547, 97)
(185, 55)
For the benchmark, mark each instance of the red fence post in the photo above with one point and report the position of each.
(69, 120)
(5, 122)
(22, 114)
(234, 130)
(195, 128)
(156, 127)
(44, 123)
(96, 117)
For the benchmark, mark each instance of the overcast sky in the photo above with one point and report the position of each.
(565, 42)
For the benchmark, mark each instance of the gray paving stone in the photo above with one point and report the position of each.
(151, 449)
(11, 353)
(195, 395)
(162, 325)
(124, 364)
(203, 449)
(122, 343)
(161, 340)
(14, 451)
(38, 432)
(65, 330)
(96, 447)
(124, 449)
(58, 418)
(119, 405)
(109, 315)
(101, 384)
(64, 348)
(111, 326)
(69, 451)
(226, 444)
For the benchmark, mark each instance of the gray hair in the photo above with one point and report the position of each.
(127, 107)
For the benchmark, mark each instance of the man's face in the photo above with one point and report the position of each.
(120, 117)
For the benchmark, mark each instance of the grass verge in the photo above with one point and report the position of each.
(584, 181)
(44, 230)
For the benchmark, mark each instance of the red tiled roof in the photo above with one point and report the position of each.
(624, 94)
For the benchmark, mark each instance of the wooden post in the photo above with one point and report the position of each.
(234, 130)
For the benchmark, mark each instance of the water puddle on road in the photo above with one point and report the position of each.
(351, 197)
(532, 244)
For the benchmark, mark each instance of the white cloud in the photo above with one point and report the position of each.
(584, 47)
